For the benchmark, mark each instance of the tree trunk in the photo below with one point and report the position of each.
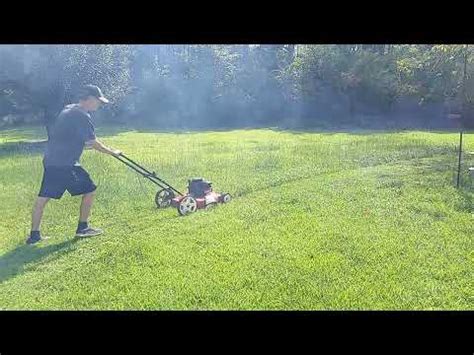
(351, 104)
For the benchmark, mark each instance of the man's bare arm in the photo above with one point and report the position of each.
(99, 146)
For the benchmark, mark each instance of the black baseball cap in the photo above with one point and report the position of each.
(93, 90)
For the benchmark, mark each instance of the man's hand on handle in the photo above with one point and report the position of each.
(116, 152)
(99, 146)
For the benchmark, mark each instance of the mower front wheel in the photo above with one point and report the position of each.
(226, 198)
(187, 205)
(163, 198)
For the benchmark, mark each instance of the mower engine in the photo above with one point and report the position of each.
(200, 195)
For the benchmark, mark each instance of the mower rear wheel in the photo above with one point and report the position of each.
(163, 198)
(187, 205)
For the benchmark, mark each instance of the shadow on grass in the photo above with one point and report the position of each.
(435, 171)
(105, 130)
(25, 147)
(22, 148)
(23, 133)
(26, 257)
(365, 131)
(466, 191)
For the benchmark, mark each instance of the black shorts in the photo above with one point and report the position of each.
(57, 179)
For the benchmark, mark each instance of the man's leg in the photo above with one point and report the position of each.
(38, 212)
(52, 186)
(36, 219)
(83, 185)
(86, 206)
(83, 229)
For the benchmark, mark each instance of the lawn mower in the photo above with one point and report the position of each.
(200, 194)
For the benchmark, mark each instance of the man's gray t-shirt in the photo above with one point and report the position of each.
(71, 130)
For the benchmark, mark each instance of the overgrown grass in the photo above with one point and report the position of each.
(318, 221)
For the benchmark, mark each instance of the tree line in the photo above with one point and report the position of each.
(195, 86)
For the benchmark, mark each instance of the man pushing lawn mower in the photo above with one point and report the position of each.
(71, 133)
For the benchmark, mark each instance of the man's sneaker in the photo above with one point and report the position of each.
(35, 239)
(88, 232)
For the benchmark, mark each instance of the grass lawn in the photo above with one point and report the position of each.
(366, 220)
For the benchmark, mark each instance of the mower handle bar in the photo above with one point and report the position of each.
(145, 172)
